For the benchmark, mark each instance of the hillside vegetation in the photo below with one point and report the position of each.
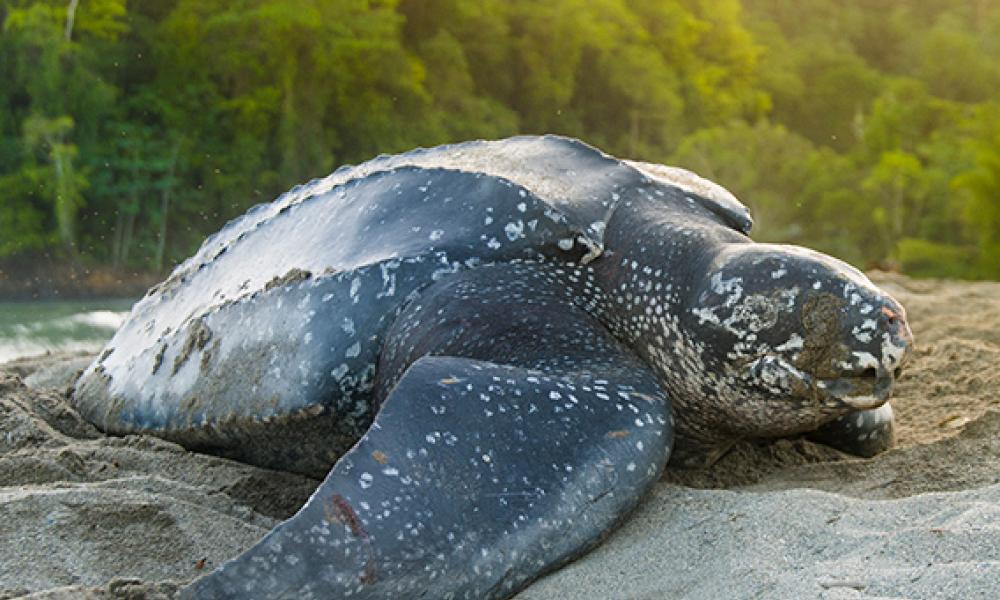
(866, 128)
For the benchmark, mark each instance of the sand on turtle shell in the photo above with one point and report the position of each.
(83, 515)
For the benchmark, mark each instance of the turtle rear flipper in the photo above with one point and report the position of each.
(476, 477)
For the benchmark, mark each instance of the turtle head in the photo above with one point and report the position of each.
(799, 331)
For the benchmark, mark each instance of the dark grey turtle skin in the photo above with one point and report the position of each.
(497, 346)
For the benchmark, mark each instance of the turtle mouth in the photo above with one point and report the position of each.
(862, 388)
(858, 388)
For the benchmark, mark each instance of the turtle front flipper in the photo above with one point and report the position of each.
(862, 433)
(476, 477)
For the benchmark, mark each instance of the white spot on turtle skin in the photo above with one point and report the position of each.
(353, 351)
(436, 235)
(817, 285)
(493, 243)
(522, 207)
(704, 315)
(732, 287)
(779, 274)
(365, 481)
(348, 326)
(514, 231)
(340, 372)
(866, 360)
(861, 335)
(355, 288)
(892, 355)
(488, 220)
(795, 342)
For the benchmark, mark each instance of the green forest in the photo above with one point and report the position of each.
(869, 129)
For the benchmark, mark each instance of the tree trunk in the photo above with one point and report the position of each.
(66, 195)
(70, 19)
(116, 241)
(127, 235)
(161, 242)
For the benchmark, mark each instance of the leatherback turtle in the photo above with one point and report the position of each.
(497, 346)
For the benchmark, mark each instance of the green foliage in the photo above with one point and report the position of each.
(64, 193)
(980, 186)
(23, 227)
(864, 128)
(765, 164)
(923, 258)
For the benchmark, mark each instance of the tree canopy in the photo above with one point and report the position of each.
(130, 129)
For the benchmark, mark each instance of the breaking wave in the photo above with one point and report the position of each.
(30, 330)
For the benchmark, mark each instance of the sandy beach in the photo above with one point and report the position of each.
(83, 515)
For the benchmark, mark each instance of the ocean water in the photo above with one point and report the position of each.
(36, 327)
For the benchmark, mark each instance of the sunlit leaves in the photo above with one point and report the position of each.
(981, 186)
(865, 128)
(765, 165)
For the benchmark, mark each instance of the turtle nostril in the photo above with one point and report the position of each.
(870, 373)
(897, 372)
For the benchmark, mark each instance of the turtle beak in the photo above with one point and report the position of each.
(869, 376)
(897, 338)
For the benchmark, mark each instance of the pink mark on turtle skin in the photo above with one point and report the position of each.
(895, 316)
(890, 314)
(339, 510)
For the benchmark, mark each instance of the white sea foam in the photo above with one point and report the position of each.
(11, 349)
(85, 331)
(98, 319)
